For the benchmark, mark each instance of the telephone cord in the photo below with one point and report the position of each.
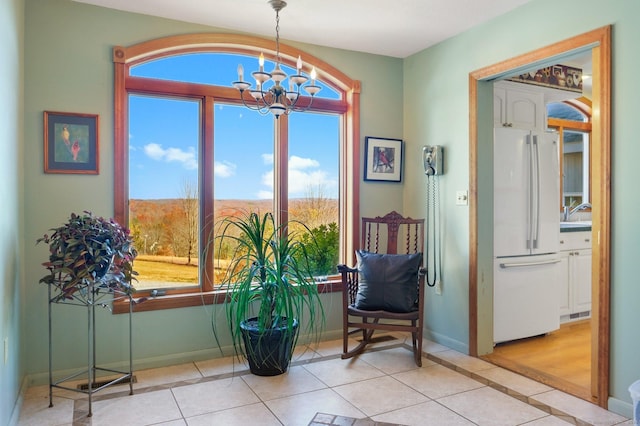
(432, 225)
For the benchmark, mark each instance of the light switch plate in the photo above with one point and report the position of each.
(462, 198)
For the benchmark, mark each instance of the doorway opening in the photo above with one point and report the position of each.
(598, 42)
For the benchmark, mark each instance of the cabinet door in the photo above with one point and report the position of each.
(515, 106)
(581, 280)
(564, 294)
(499, 107)
(525, 110)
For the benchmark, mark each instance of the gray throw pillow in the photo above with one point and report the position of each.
(387, 281)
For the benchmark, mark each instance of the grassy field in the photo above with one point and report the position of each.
(165, 271)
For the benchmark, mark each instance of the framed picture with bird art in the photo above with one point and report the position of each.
(383, 159)
(71, 143)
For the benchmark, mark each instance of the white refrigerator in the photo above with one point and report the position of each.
(527, 269)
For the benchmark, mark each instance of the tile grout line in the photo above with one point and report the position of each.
(507, 391)
(80, 405)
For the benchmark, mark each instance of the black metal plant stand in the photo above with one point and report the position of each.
(89, 296)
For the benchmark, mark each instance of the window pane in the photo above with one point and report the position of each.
(163, 190)
(243, 167)
(313, 184)
(564, 111)
(575, 181)
(216, 68)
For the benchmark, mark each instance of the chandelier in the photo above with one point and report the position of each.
(270, 94)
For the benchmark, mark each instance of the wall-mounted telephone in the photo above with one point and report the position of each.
(432, 157)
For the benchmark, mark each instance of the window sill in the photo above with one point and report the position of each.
(184, 300)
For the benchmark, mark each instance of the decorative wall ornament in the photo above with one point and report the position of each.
(71, 143)
(556, 76)
(383, 159)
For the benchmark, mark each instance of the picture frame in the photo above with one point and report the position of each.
(71, 144)
(383, 159)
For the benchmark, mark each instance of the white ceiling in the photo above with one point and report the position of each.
(396, 28)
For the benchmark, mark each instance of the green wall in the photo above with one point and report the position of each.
(437, 113)
(11, 188)
(68, 67)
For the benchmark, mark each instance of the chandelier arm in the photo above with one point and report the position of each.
(262, 109)
(301, 109)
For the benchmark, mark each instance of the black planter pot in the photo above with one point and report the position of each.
(268, 352)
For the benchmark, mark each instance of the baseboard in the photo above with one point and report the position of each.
(620, 407)
(138, 364)
(15, 414)
(163, 360)
(456, 345)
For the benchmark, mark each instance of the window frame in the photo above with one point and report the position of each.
(348, 106)
(583, 106)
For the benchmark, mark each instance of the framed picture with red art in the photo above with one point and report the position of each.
(383, 159)
(71, 143)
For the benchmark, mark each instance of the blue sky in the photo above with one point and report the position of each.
(163, 139)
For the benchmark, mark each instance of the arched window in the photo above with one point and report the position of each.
(572, 120)
(188, 152)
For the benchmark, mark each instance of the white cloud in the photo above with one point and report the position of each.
(224, 169)
(267, 179)
(299, 163)
(300, 182)
(186, 158)
(265, 195)
(154, 151)
(267, 158)
(295, 162)
(301, 179)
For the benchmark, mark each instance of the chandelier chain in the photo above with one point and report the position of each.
(278, 37)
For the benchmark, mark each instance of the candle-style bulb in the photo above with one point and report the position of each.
(313, 75)
(240, 72)
(299, 64)
(261, 61)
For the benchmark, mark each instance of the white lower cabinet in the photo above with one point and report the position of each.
(580, 280)
(575, 291)
(564, 293)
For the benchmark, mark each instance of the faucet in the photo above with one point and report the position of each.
(568, 214)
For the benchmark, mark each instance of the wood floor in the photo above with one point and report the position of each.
(561, 359)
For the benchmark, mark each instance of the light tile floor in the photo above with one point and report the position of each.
(382, 386)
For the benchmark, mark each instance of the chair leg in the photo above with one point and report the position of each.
(417, 348)
(358, 349)
(345, 340)
(366, 338)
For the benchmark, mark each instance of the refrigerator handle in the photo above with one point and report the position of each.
(529, 193)
(535, 227)
(521, 264)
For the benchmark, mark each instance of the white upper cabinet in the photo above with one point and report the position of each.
(518, 108)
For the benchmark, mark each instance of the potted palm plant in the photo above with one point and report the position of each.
(271, 293)
(89, 251)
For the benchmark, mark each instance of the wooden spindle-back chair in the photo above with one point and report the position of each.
(384, 232)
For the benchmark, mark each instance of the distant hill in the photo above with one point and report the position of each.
(168, 227)
(154, 208)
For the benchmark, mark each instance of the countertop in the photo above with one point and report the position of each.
(575, 226)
